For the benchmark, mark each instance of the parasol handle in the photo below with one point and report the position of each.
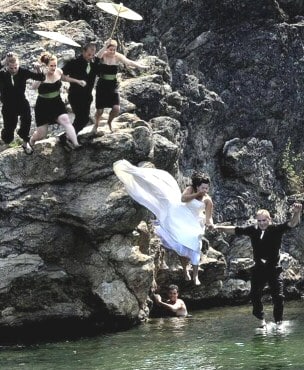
(116, 20)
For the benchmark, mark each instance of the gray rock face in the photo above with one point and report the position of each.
(15, 266)
(67, 248)
(252, 161)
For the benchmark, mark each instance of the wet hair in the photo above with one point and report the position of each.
(199, 178)
(46, 57)
(172, 287)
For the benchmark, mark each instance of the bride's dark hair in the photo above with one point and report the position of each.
(199, 178)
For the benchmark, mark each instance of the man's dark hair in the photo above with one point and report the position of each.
(89, 45)
(173, 286)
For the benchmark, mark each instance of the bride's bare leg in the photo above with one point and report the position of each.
(195, 275)
(185, 262)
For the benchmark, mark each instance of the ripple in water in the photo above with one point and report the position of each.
(221, 338)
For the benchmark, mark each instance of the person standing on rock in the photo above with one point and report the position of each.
(180, 218)
(173, 305)
(80, 97)
(49, 108)
(107, 95)
(14, 103)
(266, 241)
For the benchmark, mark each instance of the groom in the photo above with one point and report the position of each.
(266, 241)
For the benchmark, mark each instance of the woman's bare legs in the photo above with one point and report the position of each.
(185, 262)
(195, 275)
(98, 115)
(114, 113)
(99, 112)
(65, 122)
(39, 134)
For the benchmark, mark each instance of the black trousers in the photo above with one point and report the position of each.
(10, 115)
(80, 104)
(273, 277)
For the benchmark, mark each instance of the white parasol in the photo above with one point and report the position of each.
(120, 11)
(56, 36)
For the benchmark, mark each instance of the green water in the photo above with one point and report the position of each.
(222, 338)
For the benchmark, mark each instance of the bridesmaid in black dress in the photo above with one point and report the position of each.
(107, 95)
(50, 108)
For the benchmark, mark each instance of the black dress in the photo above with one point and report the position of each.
(48, 109)
(107, 94)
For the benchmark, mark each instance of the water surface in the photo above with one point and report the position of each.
(221, 338)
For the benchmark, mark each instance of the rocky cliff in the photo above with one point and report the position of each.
(223, 94)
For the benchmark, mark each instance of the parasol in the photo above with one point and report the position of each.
(119, 10)
(56, 36)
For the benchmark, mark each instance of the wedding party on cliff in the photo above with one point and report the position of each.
(152, 184)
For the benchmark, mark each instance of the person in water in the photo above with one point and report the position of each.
(13, 80)
(107, 95)
(266, 241)
(49, 108)
(180, 224)
(173, 305)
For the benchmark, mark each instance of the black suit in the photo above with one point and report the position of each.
(266, 253)
(79, 97)
(15, 104)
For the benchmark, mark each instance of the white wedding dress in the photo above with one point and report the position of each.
(179, 225)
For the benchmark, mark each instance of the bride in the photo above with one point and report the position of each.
(181, 218)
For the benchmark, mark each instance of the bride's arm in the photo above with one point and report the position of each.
(209, 211)
(189, 194)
